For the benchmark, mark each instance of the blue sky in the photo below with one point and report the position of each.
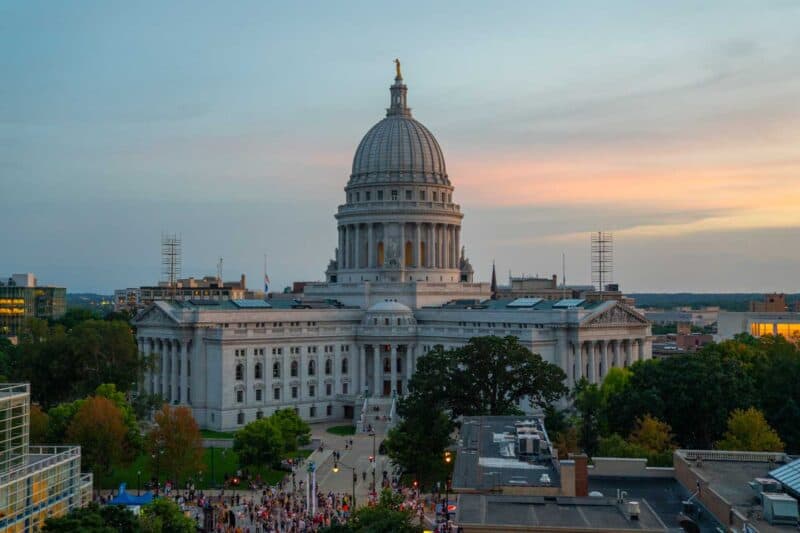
(674, 124)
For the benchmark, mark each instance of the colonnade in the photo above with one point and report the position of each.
(389, 363)
(424, 245)
(171, 370)
(592, 359)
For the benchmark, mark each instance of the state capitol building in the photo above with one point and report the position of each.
(399, 283)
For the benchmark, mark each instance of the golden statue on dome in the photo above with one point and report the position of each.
(397, 68)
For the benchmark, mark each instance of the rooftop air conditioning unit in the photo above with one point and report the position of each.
(632, 509)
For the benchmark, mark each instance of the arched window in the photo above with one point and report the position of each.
(344, 365)
(239, 372)
(294, 369)
(312, 367)
(258, 372)
(276, 370)
(328, 367)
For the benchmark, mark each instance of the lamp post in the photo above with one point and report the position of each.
(336, 466)
(138, 482)
(374, 460)
(156, 455)
(448, 457)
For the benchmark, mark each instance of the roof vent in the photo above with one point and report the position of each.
(632, 509)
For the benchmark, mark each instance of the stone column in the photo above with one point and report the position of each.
(357, 247)
(165, 390)
(417, 255)
(451, 234)
(340, 250)
(603, 359)
(370, 247)
(627, 352)
(641, 342)
(376, 369)
(362, 370)
(409, 365)
(578, 347)
(458, 245)
(562, 356)
(184, 377)
(434, 247)
(402, 245)
(592, 362)
(393, 368)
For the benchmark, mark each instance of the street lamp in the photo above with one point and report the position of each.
(374, 460)
(336, 467)
(138, 482)
(156, 455)
(448, 458)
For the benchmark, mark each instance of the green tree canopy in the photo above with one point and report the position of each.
(418, 443)
(487, 376)
(164, 515)
(95, 519)
(295, 431)
(175, 442)
(748, 430)
(259, 443)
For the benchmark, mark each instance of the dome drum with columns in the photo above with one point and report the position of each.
(399, 222)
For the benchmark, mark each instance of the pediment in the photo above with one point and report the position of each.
(154, 316)
(615, 315)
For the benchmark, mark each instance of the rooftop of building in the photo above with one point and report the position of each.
(490, 454)
(522, 304)
(729, 474)
(532, 513)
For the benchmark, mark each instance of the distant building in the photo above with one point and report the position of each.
(772, 303)
(549, 289)
(696, 317)
(208, 288)
(758, 324)
(21, 298)
(36, 482)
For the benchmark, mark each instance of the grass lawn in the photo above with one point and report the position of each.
(223, 461)
(342, 430)
(211, 434)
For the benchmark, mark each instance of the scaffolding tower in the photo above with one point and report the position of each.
(602, 246)
(171, 260)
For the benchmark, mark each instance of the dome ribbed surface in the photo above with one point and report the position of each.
(399, 147)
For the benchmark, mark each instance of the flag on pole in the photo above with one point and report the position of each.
(266, 284)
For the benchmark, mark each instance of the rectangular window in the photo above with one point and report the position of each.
(239, 396)
(258, 395)
(380, 195)
(435, 195)
(327, 389)
(358, 197)
(367, 196)
(312, 390)
(408, 195)
(422, 195)
(294, 392)
(276, 393)
(394, 195)
(344, 388)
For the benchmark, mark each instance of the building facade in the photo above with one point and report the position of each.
(399, 283)
(36, 482)
(21, 298)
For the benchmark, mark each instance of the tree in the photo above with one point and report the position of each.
(418, 443)
(385, 517)
(652, 435)
(589, 403)
(487, 376)
(38, 425)
(164, 515)
(94, 519)
(99, 428)
(567, 442)
(259, 443)
(296, 432)
(175, 443)
(748, 430)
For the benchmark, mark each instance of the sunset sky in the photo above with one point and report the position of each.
(676, 125)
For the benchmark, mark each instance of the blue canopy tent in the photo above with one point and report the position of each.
(123, 498)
